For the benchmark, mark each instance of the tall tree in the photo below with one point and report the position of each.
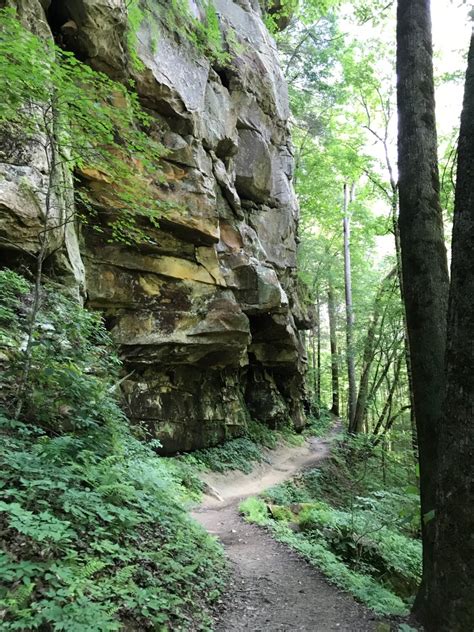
(317, 351)
(390, 192)
(352, 394)
(452, 604)
(333, 344)
(424, 262)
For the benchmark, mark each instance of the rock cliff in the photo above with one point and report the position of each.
(207, 313)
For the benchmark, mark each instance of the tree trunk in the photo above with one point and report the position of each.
(334, 358)
(452, 604)
(398, 253)
(352, 395)
(318, 350)
(392, 195)
(50, 151)
(315, 408)
(424, 265)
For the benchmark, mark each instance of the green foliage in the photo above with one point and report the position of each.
(87, 125)
(366, 542)
(64, 392)
(12, 288)
(362, 586)
(135, 17)
(319, 426)
(261, 434)
(280, 11)
(95, 533)
(237, 454)
(242, 453)
(254, 510)
(282, 514)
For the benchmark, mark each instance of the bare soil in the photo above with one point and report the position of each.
(272, 588)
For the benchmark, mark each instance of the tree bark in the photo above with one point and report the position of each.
(352, 395)
(452, 604)
(334, 357)
(424, 264)
(398, 253)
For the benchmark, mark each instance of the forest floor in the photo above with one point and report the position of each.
(272, 588)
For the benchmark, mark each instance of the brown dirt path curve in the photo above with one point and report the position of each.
(272, 589)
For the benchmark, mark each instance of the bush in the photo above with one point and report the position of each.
(319, 426)
(237, 454)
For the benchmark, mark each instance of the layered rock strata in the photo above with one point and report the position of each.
(206, 314)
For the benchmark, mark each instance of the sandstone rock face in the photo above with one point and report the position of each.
(206, 314)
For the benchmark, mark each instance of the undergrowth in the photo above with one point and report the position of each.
(94, 527)
(243, 453)
(319, 426)
(356, 519)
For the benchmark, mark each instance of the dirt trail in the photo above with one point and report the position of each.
(272, 588)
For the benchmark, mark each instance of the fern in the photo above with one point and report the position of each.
(93, 523)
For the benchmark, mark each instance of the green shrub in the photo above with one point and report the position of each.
(261, 434)
(319, 426)
(282, 514)
(237, 454)
(254, 510)
(286, 493)
(362, 586)
(12, 288)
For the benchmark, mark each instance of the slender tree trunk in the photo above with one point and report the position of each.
(452, 604)
(424, 265)
(334, 357)
(318, 350)
(50, 150)
(383, 370)
(313, 360)
(352, 395)
(362, 397)
(315, 405)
